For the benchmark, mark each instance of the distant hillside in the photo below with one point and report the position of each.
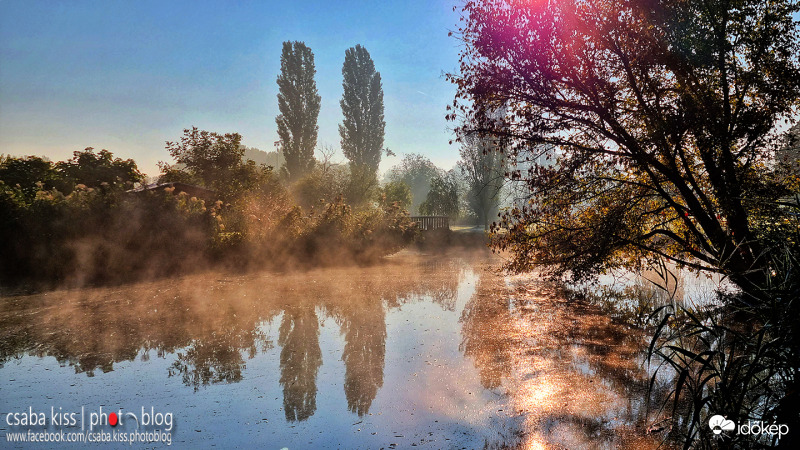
(273, 158)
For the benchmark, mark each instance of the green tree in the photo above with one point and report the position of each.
(31, 174)
(483, 167)
(396, 192)
(27, 175)
(442, 199)
(361, 186)
(215, 160)
(362, 130)
(97, 170)
(299, 103)
(416, 171)
(319, 186)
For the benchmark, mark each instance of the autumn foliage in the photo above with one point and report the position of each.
(641, 128)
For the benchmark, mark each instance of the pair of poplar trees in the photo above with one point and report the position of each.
(362, 129)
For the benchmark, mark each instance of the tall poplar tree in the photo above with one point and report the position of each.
(484, 166)
(298, 102)
(362, 130)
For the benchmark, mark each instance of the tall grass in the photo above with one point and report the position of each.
(738, 359)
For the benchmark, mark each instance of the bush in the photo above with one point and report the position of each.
(337, 234)
(89, 236)
(396, 192)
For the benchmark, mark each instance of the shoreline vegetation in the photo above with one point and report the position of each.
(80, 222)
(92, 220)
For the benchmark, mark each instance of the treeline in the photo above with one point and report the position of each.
(473, 192)
(83, 221)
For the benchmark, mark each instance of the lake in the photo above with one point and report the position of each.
(419, 350)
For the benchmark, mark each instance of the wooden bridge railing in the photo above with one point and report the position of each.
(429, 223)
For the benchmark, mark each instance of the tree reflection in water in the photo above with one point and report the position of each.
(485, 329)
(211, 324)
(217, 359)
(300, 361)
(364, 330)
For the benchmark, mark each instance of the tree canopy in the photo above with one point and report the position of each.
(483, 167)
(299, 103)
(362, 129)
(28, 175)
(396, 192)
(212, 159)
(96, 170)
(416, 171)
(442, 199)
(655, 117)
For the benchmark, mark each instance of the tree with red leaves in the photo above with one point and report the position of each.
(647, 126)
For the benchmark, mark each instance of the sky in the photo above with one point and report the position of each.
(129, 75)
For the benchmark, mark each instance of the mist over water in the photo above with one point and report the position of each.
(419, 349)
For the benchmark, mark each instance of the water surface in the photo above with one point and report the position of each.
(421, 349)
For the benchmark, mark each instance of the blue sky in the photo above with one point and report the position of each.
(129, 75)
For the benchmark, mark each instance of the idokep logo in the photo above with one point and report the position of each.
(720, 424)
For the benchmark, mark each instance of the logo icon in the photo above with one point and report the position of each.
(718, 424)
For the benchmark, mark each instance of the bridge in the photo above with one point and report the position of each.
(430, 223)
